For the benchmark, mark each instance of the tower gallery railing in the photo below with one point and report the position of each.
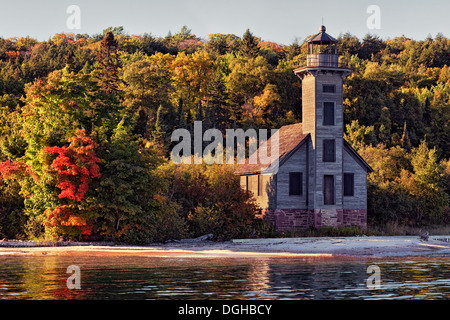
(325, 60)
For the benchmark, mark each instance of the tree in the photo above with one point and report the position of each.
(371, 47)
(247, 79)
(74, 167)
(181, 115)
(360, 136)
(148, 85)
(219, 108)
(426, 182)
(219, 44)
(191, 75)
(348, 44)
(249, 45)
(211, 200)
(64, 107)
(108, 64)
(406, 143)
(164, 125)
(125, 189)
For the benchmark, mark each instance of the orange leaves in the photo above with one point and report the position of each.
(63, 216)
(8, 168)
(12, 55)
(271, 45)
(15, 170)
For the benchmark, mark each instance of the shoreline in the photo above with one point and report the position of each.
(373, 246)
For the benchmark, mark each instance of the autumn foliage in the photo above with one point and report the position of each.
(130, 93)
(15, 170)
(75, 167)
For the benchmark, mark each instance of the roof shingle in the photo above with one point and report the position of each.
(289, 137)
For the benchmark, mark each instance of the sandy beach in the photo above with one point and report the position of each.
(283, 247)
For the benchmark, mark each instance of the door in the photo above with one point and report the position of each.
(328, 189)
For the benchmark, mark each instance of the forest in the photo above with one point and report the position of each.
(86, 121)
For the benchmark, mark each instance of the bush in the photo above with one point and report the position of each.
(210, 200)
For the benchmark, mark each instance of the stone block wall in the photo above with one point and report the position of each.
(289, 219)
(354, 217)
(300, 219)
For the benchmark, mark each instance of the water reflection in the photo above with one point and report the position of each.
(128, 277)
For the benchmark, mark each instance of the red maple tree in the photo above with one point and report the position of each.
(75, 166)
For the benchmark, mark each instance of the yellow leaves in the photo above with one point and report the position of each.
(192, 74)
(268, 97)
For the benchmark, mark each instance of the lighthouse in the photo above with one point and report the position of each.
(321, 180)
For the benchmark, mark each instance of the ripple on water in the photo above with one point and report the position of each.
(44, 277)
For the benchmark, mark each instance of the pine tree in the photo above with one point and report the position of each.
(181, 115)
(406, 143)
(160, 132)
(124, 188)
(210, 117)
(249, 45)
(108, 64)
(427, 113)
(218, 100)
(199, 113)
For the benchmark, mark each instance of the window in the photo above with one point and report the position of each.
(329, 88)
(295, 184)
(349, 184)
(328, 189)
(329, 151)
(328, 113)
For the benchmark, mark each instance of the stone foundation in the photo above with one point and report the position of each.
(300, 219)
(289, 219)
(354, 217)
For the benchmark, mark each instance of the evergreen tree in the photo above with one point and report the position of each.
(218, 101)
(160, 132)
(181, 115)
(164, 125)
(249, 45)
(108, 64)
(199, 113)
(210, 117)
(124, 190)
(406, 143)
(427, 113)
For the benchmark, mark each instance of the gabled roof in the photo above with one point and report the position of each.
(357, 157)
(290, 138)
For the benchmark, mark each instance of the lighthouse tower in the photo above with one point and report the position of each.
(322, 102)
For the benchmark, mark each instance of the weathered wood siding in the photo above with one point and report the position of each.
(267, 199)
(359, 200)
(296, 163)
(313, 108)
(309, 106)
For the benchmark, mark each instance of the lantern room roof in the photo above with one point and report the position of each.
(322, 37)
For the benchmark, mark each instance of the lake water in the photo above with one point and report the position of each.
(131, 277)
